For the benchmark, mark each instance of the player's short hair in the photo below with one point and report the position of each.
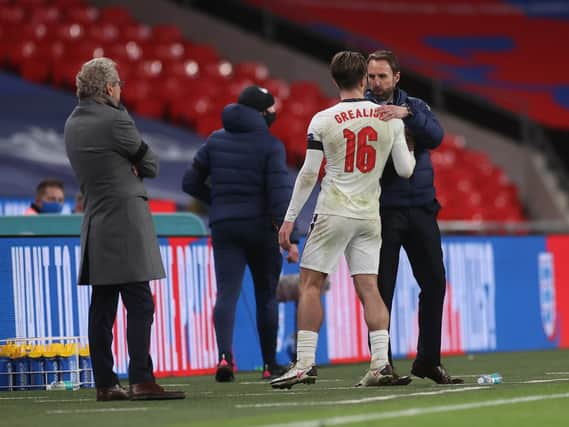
(348, 68)
(46, 183)
(387, 56)
(93, 77)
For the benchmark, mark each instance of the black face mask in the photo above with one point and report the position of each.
(269, 118)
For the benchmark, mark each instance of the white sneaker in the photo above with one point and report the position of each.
(381, 377)
(295, 375)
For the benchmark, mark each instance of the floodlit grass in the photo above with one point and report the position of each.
(535, 392)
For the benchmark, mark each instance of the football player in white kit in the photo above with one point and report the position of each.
(356, 145)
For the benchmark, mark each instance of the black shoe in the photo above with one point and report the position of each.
(272, 371)
(115, 392)
(395, 378)
(224, 372)
(436, 373)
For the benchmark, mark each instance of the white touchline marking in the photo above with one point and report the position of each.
(417, 411)
(63, 400)
(97, 410)
(20, 398)
(557, 373)
(362, 400)
(268, 382)
(550, 380)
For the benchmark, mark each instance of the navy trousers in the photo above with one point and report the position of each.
(416, 230)
(237, 244)
(137, 299)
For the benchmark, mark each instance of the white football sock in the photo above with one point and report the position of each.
(306, 348)
(379, 341)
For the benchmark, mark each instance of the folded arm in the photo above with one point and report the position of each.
(129, 144)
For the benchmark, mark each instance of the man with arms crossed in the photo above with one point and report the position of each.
(356, 145)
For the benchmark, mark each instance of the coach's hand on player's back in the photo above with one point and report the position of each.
(284, 235)
(388, 112)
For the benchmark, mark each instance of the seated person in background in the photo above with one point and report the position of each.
(49, 197)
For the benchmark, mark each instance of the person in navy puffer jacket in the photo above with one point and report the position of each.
(241, 173)
(409, 211)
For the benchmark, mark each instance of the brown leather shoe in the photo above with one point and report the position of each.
(436, 373)
(152, 391)
(116, 392)
(395, 378)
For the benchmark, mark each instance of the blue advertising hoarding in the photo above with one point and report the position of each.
(502, 295)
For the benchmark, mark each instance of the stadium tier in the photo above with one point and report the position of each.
(506, 51)
(168, 77)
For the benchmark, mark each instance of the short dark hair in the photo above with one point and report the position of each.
(48, 182)
(387, 56)
(348, 68)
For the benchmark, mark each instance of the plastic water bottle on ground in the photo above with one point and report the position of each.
(60, 385)
(494, 378)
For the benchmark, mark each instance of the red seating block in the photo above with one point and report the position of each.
(135, 32)
(82, 14)
(166, 34)
(258, 73)
(12, 15)
(116, 15)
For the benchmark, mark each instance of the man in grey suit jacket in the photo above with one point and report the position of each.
(119, 247)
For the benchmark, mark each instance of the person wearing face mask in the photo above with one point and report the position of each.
(119, 247)
(49, 198)
(241, 173)
(409, 211)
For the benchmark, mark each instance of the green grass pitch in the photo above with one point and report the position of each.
(535, 392)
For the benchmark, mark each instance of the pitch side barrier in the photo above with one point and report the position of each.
(504, 293)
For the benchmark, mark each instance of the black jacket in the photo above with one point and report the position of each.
(246, 169)
(428, 134)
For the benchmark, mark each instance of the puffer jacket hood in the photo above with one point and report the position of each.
(237, 118)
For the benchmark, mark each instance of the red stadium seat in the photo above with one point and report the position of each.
(258, 73)
(122, 52)
(209, 123)
(137, 90)
(64, 72)
(103, 33)
(138, 33)
(279, 88)
(35, 70)
(149, 69)
(21, 51)
(188, 111)
(82, 14)
(166, 34)
(184, 69)
(153, 108)
(202, 54)
(116, 15)
(302, 90)
(66, 4)
(167, 51)
(31, 4)
(12, 15)
(45, 14)
(70, 32)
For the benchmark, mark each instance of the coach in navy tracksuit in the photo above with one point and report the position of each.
(409, 211)
(248, 190)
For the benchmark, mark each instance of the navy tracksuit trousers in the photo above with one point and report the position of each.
(237, 244)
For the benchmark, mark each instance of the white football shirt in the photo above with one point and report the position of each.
(356, 145)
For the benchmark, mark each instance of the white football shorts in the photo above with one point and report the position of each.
(331, 236)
